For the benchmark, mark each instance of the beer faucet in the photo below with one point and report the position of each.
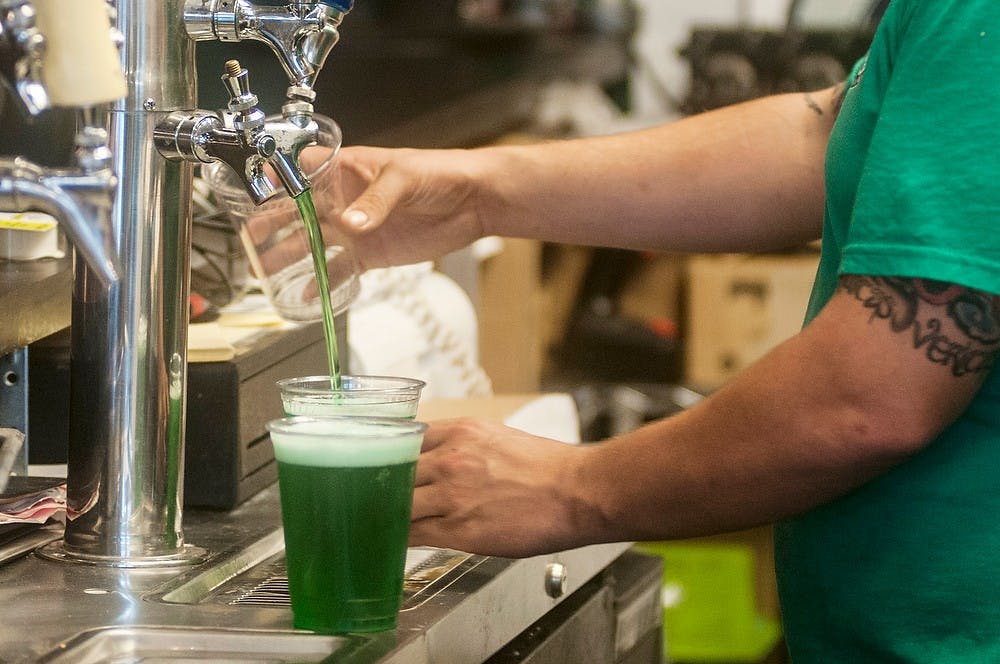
(301, 33)
(294, 132)
(240, 140)
(79, 198)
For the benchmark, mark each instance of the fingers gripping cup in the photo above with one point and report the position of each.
(367, 396)
(274, 235)
(346, 488)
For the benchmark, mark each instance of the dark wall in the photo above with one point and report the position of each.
(380, 74)
(395, 61)
(46, 139)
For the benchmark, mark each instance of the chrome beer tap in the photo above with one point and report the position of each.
(293, 133)
(301, 33)
(240, 139)
(79, 198)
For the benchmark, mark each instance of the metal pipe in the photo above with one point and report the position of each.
(129, 342)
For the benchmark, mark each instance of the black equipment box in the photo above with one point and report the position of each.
(228, 455)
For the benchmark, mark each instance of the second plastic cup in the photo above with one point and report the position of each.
(365, 396)
(274, 236)
(346, 487)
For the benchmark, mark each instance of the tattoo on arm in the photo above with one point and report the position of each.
(952, 325)
(836, 101)
(813, 106)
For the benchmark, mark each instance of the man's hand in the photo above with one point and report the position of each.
(489, 489)
(407, 206)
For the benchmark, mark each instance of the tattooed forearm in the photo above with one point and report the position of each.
(954, 326)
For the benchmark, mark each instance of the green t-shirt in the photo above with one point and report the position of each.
(907, 568)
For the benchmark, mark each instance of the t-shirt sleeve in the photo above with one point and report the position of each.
(928, 201)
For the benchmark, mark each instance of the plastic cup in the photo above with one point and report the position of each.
(274, 237)
(365, 396)
(346, 488)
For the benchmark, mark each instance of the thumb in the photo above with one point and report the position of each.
(371, 208)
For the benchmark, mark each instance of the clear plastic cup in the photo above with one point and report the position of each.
(274, 237)
(365, 396)
(346, 486)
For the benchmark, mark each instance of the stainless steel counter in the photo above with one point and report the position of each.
(70, 612)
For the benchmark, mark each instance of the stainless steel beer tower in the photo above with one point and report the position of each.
(129, 339)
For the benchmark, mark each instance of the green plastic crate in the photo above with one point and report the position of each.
(709, 605)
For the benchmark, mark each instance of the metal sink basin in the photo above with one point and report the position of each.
(234, 606)
(208, 614)
(149, 645)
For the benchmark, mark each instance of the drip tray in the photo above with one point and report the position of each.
(257, 577)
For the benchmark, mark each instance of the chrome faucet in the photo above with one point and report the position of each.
(240, 139)
(294, 132)
(128, 373)
(79, 198)
(301, 33)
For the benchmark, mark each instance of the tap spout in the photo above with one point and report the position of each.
(80, 199)
(292, 134)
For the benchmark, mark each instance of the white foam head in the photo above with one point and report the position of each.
(346, 441)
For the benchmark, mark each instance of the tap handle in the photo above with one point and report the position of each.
(237, 82)
(81, 65)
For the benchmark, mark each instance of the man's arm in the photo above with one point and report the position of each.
(886, 366)
(744, 178)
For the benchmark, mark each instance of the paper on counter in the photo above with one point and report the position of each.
(207, 342)
(551, 416)
(32, 500)
(237, 326)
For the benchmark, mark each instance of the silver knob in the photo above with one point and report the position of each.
(555, 580)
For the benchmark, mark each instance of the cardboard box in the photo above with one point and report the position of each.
(741, 306)
(510, 337)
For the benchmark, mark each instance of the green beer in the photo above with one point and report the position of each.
(365, 396)
(346, 490)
